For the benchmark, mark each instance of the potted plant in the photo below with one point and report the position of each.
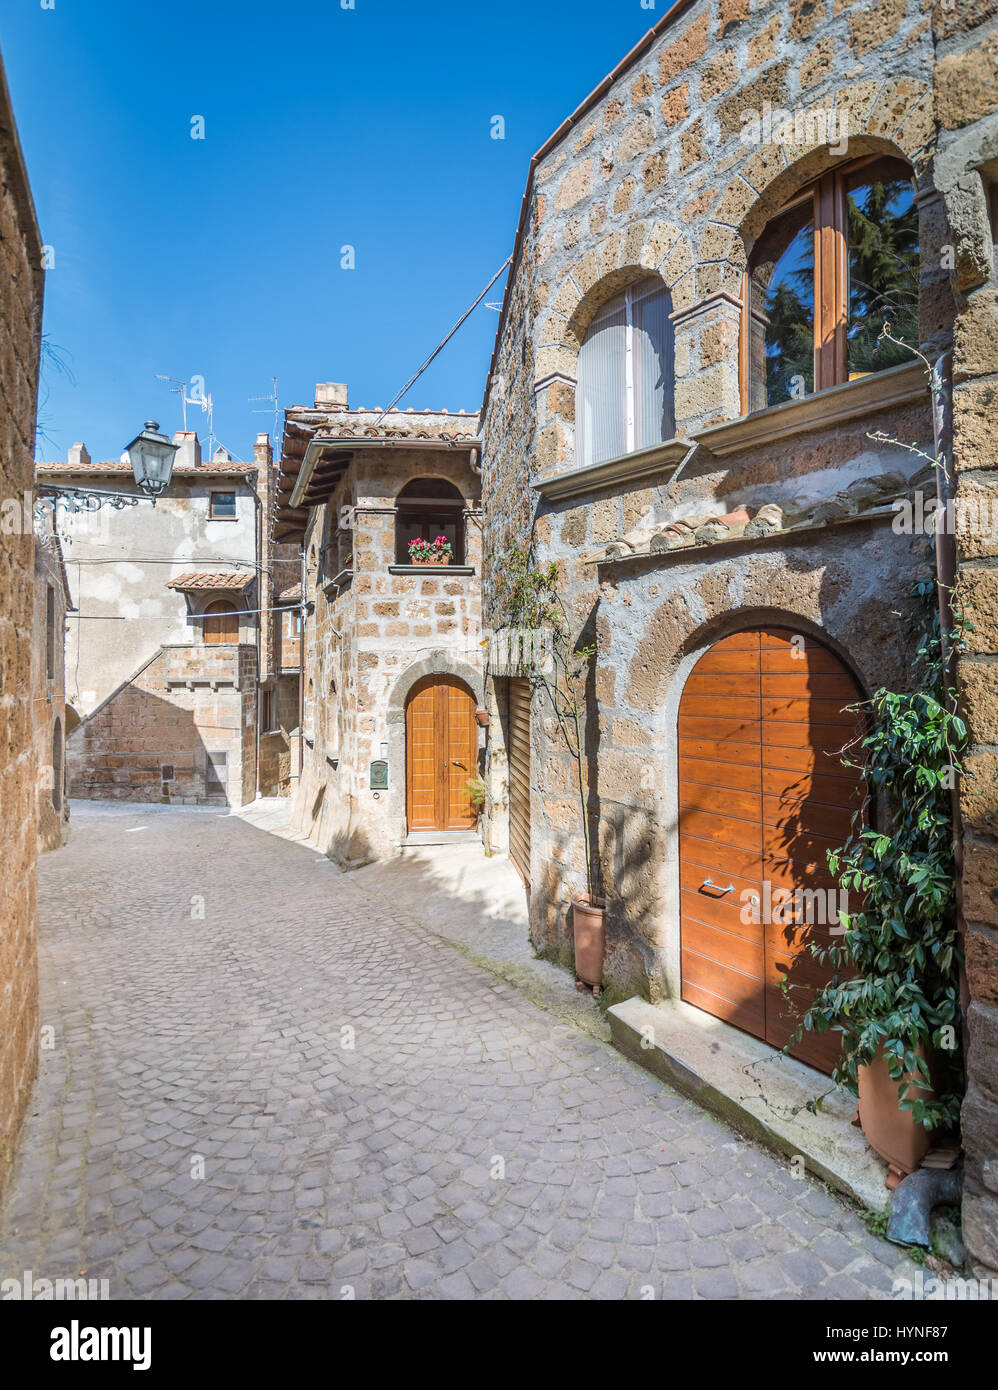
(895, 993)
(437, 552)
(482, 718)
(476, 792)
(532, 601)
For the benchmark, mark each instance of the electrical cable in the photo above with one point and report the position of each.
(440, 347)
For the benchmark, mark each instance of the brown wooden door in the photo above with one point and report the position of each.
(518, 756)
(762, 796)
(221, 623)
(441, 754)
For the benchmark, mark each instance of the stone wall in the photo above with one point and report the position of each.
(48, 690)
(655, 179)
(151, 739)
(652, 177)
(20, 332)
(966, 174)
(367, 642)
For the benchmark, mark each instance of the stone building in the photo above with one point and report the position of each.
(21, 288)
(690, 413)
(391, 664)
(175, 667)
(48, 684)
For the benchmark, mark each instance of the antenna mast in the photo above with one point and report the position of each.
(277, 415)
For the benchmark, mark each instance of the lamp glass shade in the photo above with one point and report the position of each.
(151, 456)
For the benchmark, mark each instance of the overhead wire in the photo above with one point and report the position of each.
(442, 344)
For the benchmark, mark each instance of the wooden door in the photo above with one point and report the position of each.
(441, 754)
(221, 623)
(762, 796)
(518, 756)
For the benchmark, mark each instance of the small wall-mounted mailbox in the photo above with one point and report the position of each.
(379, 775)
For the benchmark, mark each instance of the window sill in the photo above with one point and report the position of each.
(894, 387)
(462, 570)
(658, 462)
(338, 581)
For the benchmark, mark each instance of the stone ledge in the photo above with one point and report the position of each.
(757, 1090)
(463, 571)
(658, 462)
(877, 391)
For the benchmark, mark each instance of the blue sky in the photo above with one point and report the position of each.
(324, 127)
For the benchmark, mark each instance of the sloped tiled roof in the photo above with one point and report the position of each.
(217, 579)
(95, 466)
(292, 594)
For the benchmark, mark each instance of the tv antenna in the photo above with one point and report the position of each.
(277, 414)
(179, 388)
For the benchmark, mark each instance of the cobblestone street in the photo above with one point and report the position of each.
(467, 1145)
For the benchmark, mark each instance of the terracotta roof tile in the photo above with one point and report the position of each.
(218, 579)
(116, 466)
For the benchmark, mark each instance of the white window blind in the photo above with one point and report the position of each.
(625, 382)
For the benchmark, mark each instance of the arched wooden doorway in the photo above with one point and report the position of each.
(441, 754)
(221, 623)
(762, 796)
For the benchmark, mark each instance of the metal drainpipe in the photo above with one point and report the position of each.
(262, 579)
(946, 574)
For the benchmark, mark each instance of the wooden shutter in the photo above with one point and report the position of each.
(221, 623)
(518, 755)
(762, 796)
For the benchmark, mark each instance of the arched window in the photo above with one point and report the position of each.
(827, 272)
(624, 397)
(221, 623)
(428, 508)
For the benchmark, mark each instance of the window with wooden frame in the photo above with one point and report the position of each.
(222, 506)
(828, 271)
(428, 508)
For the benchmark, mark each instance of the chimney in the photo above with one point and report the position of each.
(263, 455)
(189, 453)
(78, 454)
(222, 455)
(331, 395)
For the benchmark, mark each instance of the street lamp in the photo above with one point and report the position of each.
(151, 456)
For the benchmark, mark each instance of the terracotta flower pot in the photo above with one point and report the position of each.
(589, 933)
(432, 560)
(889, 1130)
(482, 718)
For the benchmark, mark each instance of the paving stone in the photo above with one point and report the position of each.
(328, 1170)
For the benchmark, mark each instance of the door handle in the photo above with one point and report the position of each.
(709, 883)
(457, 764)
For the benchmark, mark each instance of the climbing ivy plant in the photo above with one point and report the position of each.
(896, 981)
(528, 599)
(897, 964)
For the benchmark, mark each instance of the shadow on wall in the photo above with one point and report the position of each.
(139, 747)
(328, 821)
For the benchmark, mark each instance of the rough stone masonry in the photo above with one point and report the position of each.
(21, 287)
